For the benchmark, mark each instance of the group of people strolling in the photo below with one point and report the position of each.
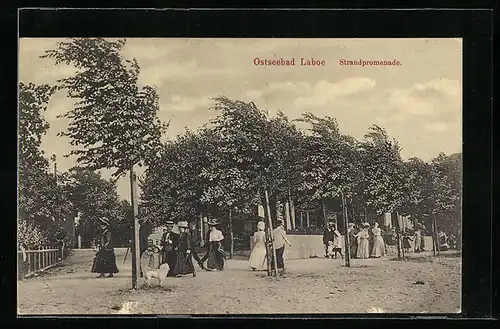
(258, 255)
(180, 245)
(366, 241)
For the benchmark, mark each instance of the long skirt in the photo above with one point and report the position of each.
(258, 257)
(378, 249)
(363, 249)
(104, 262)
(417, 244)
(354, 248)
(169, 257)
(182, 265)
(216, 257)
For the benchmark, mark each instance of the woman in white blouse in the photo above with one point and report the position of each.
(258, 256)
(216, 254)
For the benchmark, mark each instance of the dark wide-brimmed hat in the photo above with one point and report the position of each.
(213, 222)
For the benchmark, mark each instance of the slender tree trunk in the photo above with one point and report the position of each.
(438, 243)
(291, 210)
(301, 219)
(136, 254)
(202, 235)
(433, 231)
(347, 243)
(271, 242)
(402, 236)
(307, 219)
(231, 235)
(324, 211)
(398, 236)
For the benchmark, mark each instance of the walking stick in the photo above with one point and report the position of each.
(126, 253)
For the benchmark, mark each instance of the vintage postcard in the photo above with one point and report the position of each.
(239, 176)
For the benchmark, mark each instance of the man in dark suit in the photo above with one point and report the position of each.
(328, 235)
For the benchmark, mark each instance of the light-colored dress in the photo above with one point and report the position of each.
(363, 244)
(258, 256)
(418, 239)
(378, 249)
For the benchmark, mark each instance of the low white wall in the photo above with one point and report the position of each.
(305, 246)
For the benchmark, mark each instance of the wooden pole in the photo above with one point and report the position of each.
(398, 236)
(324, 212)
(433, 232)
(136, 254)
(347, 243)
(202, 236)
(291, 210)
(231, 234)
(271, 241)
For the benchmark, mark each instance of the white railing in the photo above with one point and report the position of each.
(33, 261)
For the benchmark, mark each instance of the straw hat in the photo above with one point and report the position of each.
(213, 222)
(350, 225)
(366, 225)
(183, 223)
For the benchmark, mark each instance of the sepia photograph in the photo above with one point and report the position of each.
(216, 176)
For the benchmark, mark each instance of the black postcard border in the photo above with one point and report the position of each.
(474, 26)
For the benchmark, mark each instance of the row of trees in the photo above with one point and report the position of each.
(48, 199)
(227, 165)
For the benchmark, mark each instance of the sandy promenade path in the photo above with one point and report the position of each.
(315, 285)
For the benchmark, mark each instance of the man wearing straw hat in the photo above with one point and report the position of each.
(105, 260)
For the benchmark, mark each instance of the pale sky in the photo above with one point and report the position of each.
(419, 103)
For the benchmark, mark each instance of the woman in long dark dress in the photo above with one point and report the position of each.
(216, 254)
(353, 240)
(183, 263)
(105, 259)
(168, 240)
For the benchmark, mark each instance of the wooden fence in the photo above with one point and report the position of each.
(33, 261)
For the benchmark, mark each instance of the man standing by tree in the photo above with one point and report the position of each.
(279, 239)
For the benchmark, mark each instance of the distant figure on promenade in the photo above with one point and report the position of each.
(334, 246)
(353, 240)
(182, 248)
(418, 239)
(443, 241)
(258, 256)
(363, 251)
(328, 236)
(215, 251)
(279, 240)
(105, 259)
(378, 249)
